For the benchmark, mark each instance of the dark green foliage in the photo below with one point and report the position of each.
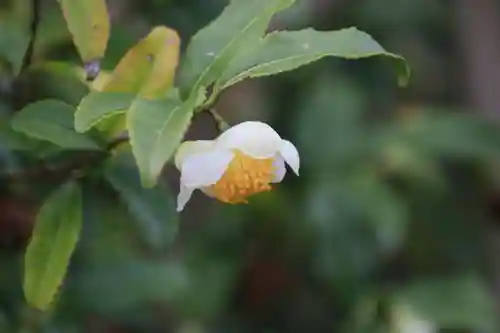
(392, 219)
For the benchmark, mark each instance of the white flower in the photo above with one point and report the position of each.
(242, 161)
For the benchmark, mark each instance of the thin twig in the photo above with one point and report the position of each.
(70, 168)
(35, 22)
(221, 124)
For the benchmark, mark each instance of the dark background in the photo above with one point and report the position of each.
(393, 222)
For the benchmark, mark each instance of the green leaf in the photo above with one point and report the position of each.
(287, 50)
(156, 128)
(51, 120)
(13, 44)
(16, 141)
(239, 27)
(56, 233)
(455, 303)
(97, 106)
(88, 22)
(153, 208)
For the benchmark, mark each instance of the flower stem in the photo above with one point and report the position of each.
(221, 124)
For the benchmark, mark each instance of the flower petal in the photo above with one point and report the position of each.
(191, 147)
(205, 169)
(291, 155)
(253, 138)
(207, 190)
(279, 169)
(183, 197)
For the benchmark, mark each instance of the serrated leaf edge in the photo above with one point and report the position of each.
(244, 75)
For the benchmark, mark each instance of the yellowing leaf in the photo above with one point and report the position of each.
(101, 80)
(148, 68)
(88, 22)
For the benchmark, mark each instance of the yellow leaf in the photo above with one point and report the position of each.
(148, 68)
(100, 81)
(88, 22)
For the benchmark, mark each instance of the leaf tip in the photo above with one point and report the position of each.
(148, 181)
(404, 76)
(170, 36)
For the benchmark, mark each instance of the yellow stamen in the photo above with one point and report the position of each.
(244, 177)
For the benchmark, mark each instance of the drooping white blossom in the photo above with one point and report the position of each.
(242, 161)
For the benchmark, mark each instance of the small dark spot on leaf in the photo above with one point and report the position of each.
(150, 57)
(92, 69)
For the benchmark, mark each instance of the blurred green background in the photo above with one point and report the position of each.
(392, 226)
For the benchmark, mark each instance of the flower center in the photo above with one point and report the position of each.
(243, 177)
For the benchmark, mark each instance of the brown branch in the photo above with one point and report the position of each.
(478, 31)
(35, 22)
